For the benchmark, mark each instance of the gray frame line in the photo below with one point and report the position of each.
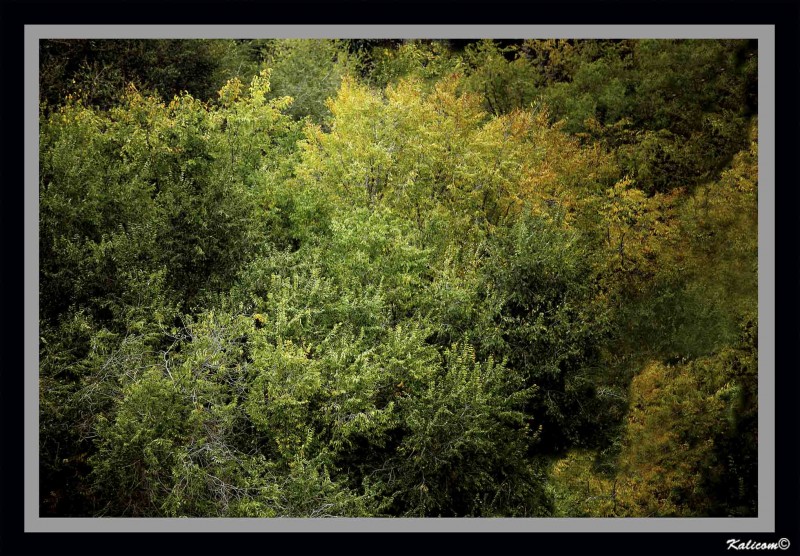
(765, 522)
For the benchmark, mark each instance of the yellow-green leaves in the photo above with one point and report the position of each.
(424, 151)
(278, 400)
(383, 278)
(669, 456)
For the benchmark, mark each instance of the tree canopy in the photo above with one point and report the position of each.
(376, 278)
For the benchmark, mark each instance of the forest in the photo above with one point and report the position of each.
(398, 278)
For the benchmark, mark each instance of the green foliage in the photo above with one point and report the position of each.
(551, 328)
(185, 437)
(504, 84)
(138, 217)
(82, 369)
(675, 110)
(690, 445)
(690, 442)
(309, 71)
(241, 420)
(438, 155)
(427, 61)
(465, 450)
(148, 186)
(701, 269)
(398, 278)
(101, 69)
(596, 91)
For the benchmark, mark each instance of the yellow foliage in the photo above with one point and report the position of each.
(673, 412)
(421, 150)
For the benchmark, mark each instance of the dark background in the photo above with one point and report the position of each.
(784, 15)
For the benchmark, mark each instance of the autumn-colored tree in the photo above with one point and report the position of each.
(411, 278)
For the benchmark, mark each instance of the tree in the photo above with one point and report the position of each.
(309, 71)
(675, 111)
(677, 457)
(101, 69)
(146, 211)
(399, 278)
(551, 325)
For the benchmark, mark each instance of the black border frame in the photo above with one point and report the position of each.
(783, 14)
